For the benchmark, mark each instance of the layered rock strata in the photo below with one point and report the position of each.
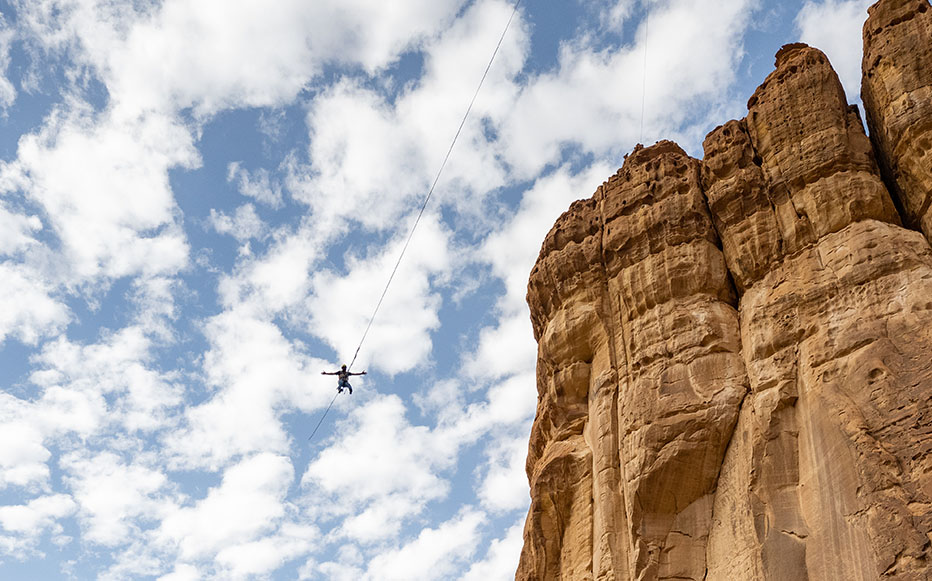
(735, 358)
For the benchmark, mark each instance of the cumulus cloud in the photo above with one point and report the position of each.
(16, 230)
(103, 183)
(215, 54)
(511, 251)
(260, 557)
(23, 455)
(371, 156)
(257, 184)
(841, 41)
(504, 487)
(501, 559)
(40, 513)
(39, 313)
(183, 572)
(77, 376)
(380, 484)
(243, 225)
(26, 523)
(257, 375)
(594, 99)
(111, 494)
(341, 306)
(434, 554)
(248, 502)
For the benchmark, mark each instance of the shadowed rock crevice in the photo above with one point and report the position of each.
(735, 354)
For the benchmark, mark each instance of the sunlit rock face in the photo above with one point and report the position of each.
(640, 376)
(897, 93)
(826, 476)
(735, 358)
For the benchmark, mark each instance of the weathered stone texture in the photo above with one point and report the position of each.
(896, 88)
(735, 359)
(822, 289)
(633, 419)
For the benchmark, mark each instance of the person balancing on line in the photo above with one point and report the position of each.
(343, 378)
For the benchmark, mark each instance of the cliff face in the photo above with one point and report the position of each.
(735, 354)
(897, 94)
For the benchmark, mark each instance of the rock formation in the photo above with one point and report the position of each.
(897, 94)
(735, 354)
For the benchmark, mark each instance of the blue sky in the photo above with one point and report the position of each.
(200, 204)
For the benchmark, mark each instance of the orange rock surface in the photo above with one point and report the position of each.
(896, 89)
(735, 354)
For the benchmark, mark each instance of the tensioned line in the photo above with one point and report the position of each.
(420, 213)
(434, 184)
(324, 415)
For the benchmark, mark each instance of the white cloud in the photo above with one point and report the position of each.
(504, 487)
(594, 99)
(216, 54)
(834, 26)
(267, 554)
(501, 561)
(257, 184)
(362, 166)
(370, 158)
(277, 281)
(112, 494)
(16, 230)
(183, 572)
(84, 388)
(23, 455)
(70, 409)
(103, 184)
(434, 554)
(341, 306)
(258, 375)
(76, 377)
(38, 314)
(244, 224)
(39, 514)
(616, 14)
(509, 405)
(507, 348)
(28, 522)
(248, 503)
(378, 483)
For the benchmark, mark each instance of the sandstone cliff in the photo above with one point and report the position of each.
(735, 354)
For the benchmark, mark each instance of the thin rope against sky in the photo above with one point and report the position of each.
(434, 184)
(324, 415)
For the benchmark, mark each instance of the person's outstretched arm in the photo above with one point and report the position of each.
(363, 373)
(329, 372)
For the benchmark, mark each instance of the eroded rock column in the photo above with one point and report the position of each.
(640, 379)
(896, 88)
(565, 295)
(669, 286)
(825, 476)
